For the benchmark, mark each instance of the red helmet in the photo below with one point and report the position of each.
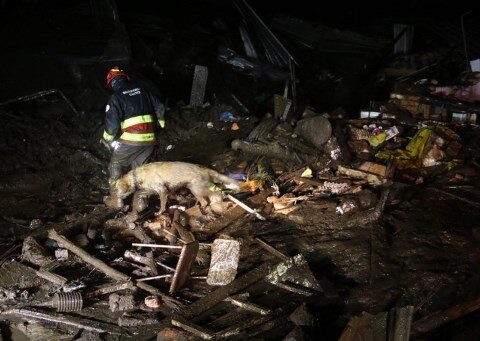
(113, 73)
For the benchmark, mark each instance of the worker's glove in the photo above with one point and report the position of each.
(110, 145)
(114, 145)
(105, 143)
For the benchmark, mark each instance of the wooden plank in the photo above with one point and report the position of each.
(249, 306)
(184, 265)
(271, 249)
(192, 328)
(72, 321)
(222, 293)
(198, 87)
(442, 317)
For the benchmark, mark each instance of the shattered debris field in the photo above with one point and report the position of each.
(337, 198)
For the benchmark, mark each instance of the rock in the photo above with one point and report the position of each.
(121, 302)
(61, 254)
(6, 294)
(92, 232)
(172, 334)
(302, 316)
(89, 336)
(476, 233)
(367, 198)
(35, 223)
(297, 334)
(153, 302)
(34, 253)
(81, 240)
(316, 130)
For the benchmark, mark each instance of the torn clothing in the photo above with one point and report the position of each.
(132, 114)
(127, 157)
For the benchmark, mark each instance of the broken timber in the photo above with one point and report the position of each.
(234, 214)
(442, 317)
(222, 293)
(73, 321)
(108, 270)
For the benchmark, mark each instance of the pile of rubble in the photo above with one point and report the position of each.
(214, 272)
(333, 232)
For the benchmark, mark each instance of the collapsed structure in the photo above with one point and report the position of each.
(354, 223)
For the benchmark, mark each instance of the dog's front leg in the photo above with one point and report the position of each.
(163, 196)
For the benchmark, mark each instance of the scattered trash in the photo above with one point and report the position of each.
(346, 207)
(307, 173)
(227, 116)
(208, 254)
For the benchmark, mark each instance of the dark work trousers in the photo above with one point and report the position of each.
(127, 157)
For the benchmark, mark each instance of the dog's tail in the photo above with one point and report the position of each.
(224, 180)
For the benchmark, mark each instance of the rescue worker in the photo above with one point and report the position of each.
(131, 117)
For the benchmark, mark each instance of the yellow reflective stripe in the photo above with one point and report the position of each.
(162, 123)
(136, 120)
(138, 137)
(107, 137)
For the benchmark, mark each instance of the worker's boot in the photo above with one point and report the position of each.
(113, 201)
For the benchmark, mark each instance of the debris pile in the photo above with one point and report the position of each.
(349, 224)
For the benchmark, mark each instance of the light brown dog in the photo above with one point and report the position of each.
(161, 177)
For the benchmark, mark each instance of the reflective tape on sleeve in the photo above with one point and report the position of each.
(161, 123)
(107, 137)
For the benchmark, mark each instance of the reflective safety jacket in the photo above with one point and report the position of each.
(132, 114)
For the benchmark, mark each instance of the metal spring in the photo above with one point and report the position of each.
(68, 301)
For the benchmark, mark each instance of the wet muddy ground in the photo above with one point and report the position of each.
(425, 245)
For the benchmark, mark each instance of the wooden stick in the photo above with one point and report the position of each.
(458, 197)
(271, 249)
(158, 246)
(153, 277)
(442, 317)
(51, 277)
(108, 270)
(245, 207)
(108, 289)
(165, 266)
(249, 306)
(77, 322)
(192, 328)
